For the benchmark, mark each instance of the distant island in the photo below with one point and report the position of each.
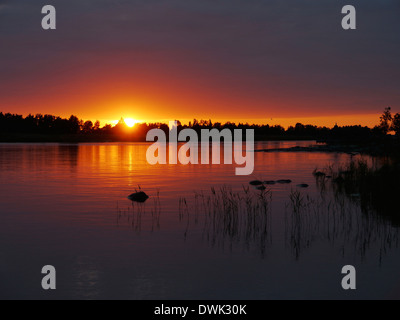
(49, 128)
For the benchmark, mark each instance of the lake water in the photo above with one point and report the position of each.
(66, 206)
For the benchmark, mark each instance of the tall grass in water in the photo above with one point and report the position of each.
(156, 211)
(229, 217)
(376, 187)
(361, 214)
(302, 222)
(340, 222)
(133, 215)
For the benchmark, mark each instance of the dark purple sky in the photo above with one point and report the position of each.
(220, 59)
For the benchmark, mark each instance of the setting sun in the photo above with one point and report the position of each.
(130, 122)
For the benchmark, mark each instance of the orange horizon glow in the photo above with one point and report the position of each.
(369, 120)
(162, 99)
(158, 99)
(130, 122)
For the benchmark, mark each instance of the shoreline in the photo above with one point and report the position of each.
(385, 146)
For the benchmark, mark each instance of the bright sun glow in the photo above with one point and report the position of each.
(130, 122)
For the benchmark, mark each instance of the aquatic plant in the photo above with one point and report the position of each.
(340, 221)
(133, 214)
(375, 186)
(230, 217)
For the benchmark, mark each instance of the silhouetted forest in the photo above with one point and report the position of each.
(14, 127)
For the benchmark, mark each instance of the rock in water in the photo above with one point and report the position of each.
(270, 182)
(319, 174)
(255, 183)
(284, 181)
(302, 185)
(261, 188)
(138, 196)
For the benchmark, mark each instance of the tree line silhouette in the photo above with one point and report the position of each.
(49, 127)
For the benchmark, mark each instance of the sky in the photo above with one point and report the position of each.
(260, 61)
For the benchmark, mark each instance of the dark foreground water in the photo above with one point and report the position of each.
(67, 206)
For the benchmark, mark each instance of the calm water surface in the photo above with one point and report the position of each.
(67, 206)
